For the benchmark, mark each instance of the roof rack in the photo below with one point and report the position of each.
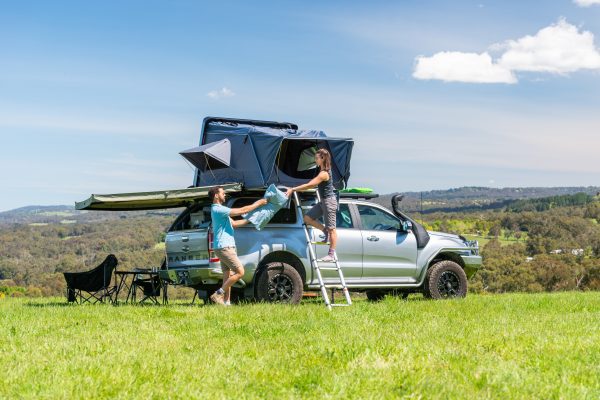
(366, 196)
(311, 193)
(238, 121)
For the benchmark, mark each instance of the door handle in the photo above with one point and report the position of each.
(185, 238)
(373, 238)
(185, 249)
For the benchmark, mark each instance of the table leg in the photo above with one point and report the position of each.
(120, 283)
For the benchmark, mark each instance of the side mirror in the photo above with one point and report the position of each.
(405, 226)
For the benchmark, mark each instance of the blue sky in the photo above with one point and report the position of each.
(99, 97)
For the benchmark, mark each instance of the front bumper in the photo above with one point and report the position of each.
(472, 264)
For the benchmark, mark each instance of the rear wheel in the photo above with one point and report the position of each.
(279, 283)
(445, 280)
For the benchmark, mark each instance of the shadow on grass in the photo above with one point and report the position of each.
(48, 305)
(306, 301)
(58, 304)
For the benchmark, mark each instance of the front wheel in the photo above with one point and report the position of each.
(279, 282)
(445, 280)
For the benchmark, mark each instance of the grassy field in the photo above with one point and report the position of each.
(504, 346)
(483, 240)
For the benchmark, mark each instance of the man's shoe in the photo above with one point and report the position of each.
(218, 298)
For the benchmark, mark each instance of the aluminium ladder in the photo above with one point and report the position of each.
(332, 266)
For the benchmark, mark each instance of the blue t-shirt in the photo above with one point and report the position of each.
(222, 228)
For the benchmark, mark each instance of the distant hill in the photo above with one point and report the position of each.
(67, 214)
(469, 198)
(472, 198)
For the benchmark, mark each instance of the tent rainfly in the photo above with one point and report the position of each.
(259, 156)
(211, 155)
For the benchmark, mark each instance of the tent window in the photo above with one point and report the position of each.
(297, 158)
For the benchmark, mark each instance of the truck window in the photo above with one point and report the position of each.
(375, 219)
(283, 216)
(343, 218)
(196, 218)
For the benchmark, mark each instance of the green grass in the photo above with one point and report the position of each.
(483, 240)
(504, 346)
(56, 213)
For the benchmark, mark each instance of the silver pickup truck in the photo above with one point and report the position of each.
(380, 252)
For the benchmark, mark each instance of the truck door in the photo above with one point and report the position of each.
(349, 246)
(388, 252)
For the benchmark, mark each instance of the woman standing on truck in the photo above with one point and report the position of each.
(327, 207)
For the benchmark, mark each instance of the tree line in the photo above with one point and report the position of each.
(545, 248)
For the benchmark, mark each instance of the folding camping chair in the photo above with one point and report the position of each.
(150, 288)
(92, 286)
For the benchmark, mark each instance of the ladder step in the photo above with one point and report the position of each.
(340, 305)
(328, 268)
(321, 243)
(333, 286)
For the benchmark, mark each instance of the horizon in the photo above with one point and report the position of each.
(100, 98)
(380, 194)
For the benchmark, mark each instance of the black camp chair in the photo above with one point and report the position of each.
(150, 288)
(92, 286)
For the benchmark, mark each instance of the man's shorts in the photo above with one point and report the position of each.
(229, 259)
(327, 208)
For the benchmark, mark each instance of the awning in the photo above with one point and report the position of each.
(149, 200)
(215, 154)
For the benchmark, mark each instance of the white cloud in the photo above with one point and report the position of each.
(586, 3)
(454, 66)
(218, 94)
(559, 48)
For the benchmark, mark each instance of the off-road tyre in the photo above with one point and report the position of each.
(445, 280)
(279, 282)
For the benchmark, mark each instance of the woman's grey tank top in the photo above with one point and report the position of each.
(326, 188)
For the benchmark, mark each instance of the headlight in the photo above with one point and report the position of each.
(475, 245)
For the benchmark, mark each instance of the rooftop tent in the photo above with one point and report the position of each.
(262, 155)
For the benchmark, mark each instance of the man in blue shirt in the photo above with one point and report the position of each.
(224, 243)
